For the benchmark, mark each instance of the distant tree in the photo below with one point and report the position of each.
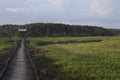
(51, 29)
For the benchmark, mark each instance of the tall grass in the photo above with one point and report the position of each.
(84, 61)
(6, 43)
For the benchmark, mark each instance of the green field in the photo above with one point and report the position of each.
(5, 45)
(83, 60)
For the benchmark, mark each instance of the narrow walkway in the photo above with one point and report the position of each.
(19, 67)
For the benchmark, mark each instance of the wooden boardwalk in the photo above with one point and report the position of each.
(19, 67)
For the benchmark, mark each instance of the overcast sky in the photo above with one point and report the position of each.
(103, 13)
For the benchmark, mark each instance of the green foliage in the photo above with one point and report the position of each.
(53, 30)
(7, 43)
(49, 29)
(115, 31)
(83, 61)
(6, 47)
(62, 40)
(8, 30)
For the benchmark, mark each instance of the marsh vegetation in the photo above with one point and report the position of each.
(77, 61)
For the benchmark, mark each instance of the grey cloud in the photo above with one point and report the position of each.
(65, 11)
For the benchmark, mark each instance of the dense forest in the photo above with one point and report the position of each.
(53, 29)
(115, 31)
(8, 30)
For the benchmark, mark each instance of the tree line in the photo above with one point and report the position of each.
(115, 31)
(54, 30)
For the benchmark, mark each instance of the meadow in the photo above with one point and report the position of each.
(5, 45)
(77, 58)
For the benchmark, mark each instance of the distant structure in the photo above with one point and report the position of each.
(22, 32)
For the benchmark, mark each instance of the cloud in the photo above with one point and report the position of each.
(92, 12)
(100, 7)
(14, 9)
(57, 3)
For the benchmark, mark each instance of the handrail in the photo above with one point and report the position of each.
(33, 65)
(8, 60)
(13, 53)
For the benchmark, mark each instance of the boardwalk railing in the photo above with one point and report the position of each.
(13, 51)
(33, 65)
